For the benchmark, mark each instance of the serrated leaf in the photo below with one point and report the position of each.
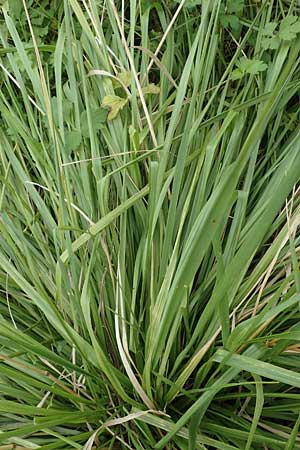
(252, 66)
(237, 74)
(151, 89)
(270, 28)
(72, 140)
(255, 66)
(230, 21)
(270, 43)
(289, 28)
(125, 79)
(98, 117)
(248, 66)
(115, 104)
(235, 6)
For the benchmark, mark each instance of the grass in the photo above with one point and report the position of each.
(149, 206)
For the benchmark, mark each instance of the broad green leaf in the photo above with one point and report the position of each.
(230, 20)
(270, 28)
(270, 42)
(124, 77)
(73, 140)
(115, 104)
(289, 28)
(151, 89)
(248, 66)
(98, 118)
(235, 6)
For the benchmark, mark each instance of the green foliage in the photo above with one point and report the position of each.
(114, 103)
(270, 39)
(97, 118)
(124, 79)
(235, 6)
(44, 16)
(230, 13)
(288, 30)
(149, 225)
(248, 66)
(151, 89)
(73, 140)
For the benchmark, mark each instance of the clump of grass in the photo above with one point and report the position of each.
(149, 246)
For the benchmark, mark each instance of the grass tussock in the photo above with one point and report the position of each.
(149, 225)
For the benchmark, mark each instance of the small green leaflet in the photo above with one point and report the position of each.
(288, 30)
(270, 39)
(270, 28)
(230, 21)
(72, 140)
(98, 117)
(230, 13)
(248, 66)
(125, 79)
(235, 6)
(115, 104)
(151, 89)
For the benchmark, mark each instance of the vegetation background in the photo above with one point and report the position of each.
(149, 224)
